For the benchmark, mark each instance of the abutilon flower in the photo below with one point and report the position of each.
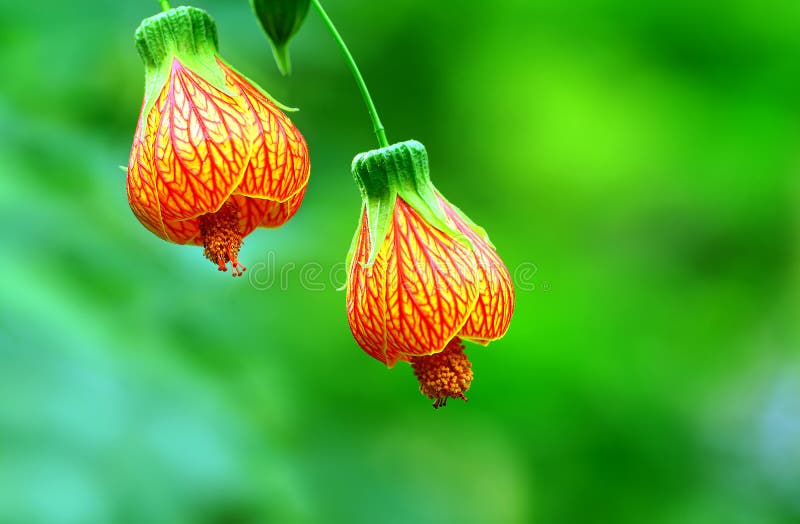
(213, 156)
(422, 276)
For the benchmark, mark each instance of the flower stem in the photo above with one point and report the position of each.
(380, 132)
(164, 5)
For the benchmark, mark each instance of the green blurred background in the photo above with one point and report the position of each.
(636, 165)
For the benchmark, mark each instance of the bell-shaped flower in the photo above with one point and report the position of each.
(422, 276)
(213, 156)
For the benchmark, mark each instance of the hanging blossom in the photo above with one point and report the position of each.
(213, 156)
(422, 276)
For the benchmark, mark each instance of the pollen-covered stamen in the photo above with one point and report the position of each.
(222, 239)
(444, 375)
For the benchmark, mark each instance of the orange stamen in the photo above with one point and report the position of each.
(222, 239)
(447, 374)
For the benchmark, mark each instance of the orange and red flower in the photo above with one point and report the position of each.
(213, 156)
(422, 276)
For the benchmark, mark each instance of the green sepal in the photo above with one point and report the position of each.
(398, 170)
(186, 33)
(271, 98)
(280, 20)
(378, 194)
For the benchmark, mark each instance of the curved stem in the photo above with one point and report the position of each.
(380, 132)
(164, 5)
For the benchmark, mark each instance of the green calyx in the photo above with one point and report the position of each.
(398, 170)
(186, 33)
(180, 31)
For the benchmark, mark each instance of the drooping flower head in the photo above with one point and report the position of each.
(213, 156)
(422, 276)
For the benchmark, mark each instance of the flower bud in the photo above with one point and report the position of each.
(280, 19)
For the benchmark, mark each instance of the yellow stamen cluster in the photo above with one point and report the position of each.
(222, 239)
(447, 374)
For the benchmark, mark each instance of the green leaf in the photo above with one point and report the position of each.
(280, 20)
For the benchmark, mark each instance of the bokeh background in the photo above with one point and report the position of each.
(636, 165)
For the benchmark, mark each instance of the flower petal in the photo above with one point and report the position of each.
(141, 187)
(492, 313)
(201, 146)
(184, 231)
(279, 212)
(279, 165)
(416, 296)
(260, 212)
